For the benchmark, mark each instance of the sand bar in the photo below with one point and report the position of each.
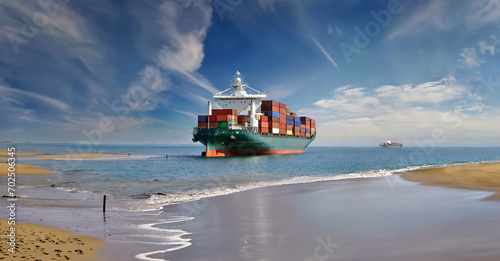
(6, 153)
(22, 169)
(476, 176)
(83, 156)
(36, 242)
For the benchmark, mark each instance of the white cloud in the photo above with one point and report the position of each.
(186, 113)
(429, 92)
(445, 16)
(482, 12)
(18, 97)
(324, 52)
(424, 17)
(485, 47)
(350, 101)
(143, 94)
(334, 29)
(358, 116)
(269, 5)
(470, 58)
(184, 26)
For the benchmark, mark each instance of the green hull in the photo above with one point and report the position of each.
(228, 142)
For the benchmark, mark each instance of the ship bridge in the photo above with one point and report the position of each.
(240, 96)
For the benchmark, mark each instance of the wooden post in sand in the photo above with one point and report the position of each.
(104, 205)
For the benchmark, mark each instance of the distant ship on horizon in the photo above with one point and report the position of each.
(390, 144)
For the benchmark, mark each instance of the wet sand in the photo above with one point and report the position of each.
(83, 156)
(475, 176)
(352, 220)
(22, 169)
(36, 242)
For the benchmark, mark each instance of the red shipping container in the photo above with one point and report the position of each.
(308, 135)
(264, 118)
(283, 131)
(282, 111)
(264, 124)
(289, 127)
(274, 119)
(269, 108)
(264, 130)
(283, 116)
(282, 106)
(270, 103)
(202, 125)
(224, 117)
(224, 112)
(212, 118)
(212, 124)
(283, 121)
(293, 114)
(287, 111)
(274, 125)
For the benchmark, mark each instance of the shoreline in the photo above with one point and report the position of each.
(481, 176)
(47, 243)
(293, 191)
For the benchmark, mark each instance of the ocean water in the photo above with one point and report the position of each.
(147, 180)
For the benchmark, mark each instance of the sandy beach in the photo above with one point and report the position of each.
(36, 242)
(22, 169)
(474, 176)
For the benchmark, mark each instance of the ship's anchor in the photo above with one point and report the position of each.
(232, 139)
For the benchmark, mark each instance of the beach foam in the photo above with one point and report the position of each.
(156, 202)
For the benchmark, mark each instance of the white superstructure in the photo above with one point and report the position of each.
(241, 97)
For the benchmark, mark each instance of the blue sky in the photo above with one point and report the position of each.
(418, 72)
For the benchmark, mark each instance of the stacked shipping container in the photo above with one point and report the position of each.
(276, 119)
(283, 122)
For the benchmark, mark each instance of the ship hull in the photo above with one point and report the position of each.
(228, 142)
(391, 146)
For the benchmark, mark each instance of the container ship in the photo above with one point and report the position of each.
(249, 125)
(390, 144)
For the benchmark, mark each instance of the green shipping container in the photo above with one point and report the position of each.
(222, 124)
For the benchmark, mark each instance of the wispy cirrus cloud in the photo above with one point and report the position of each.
(17, 97)
(325, 53)
(432, 16)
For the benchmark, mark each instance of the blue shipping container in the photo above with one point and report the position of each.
(289, 123)
(273, 114)
(202, 118)
(289, 118)
(308, 131)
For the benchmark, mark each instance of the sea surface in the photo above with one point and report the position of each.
(148, 180)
